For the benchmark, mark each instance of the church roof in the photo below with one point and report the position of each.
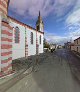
(23, 24)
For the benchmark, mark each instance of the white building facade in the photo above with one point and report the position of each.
(17, 40)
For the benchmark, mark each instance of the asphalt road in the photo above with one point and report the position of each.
(52, 75)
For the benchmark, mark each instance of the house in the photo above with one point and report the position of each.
(67, 45)
(77, 44)
(72, 46)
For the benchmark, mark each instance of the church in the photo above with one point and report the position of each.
(17, 40)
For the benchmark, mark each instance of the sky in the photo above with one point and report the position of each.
(61, 17)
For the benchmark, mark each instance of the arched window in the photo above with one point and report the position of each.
(31, 37)
(17, 34)
(40, 39)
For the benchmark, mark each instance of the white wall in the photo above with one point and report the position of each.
(18, 49)
(72, 47)
(0, 42)
(79, 49)
(40, 45)
(75, 48)
(31, 47)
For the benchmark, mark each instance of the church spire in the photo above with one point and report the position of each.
(39, 23)
(39, 17)
(39, 13)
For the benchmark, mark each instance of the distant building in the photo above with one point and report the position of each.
(77, 44)
(67, 45)
(53, 46)
(73, 46)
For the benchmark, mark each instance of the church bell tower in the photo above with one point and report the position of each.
(39, 23)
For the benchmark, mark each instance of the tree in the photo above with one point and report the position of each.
(46, 44)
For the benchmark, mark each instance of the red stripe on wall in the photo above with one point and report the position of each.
(3, 11)
(5, 61)
(6, 68)
(3, 4)
(6, 32)
(6, 53)
(4, 46)
(6, 39)
(6, 25)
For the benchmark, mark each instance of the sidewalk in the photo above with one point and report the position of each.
(9, 77)
(18, 66)
(22, 65)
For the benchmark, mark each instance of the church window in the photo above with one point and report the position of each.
(17, 32)
(31, 37)
(40, 39)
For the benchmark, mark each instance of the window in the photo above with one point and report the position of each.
(77, 49)
(17, 35)
(40, 39)
(31, 37)
(77, 41)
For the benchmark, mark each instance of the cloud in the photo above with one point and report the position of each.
(74, 18)
(72, 28)
(74, 32)
(53, 38)
(30, 8)
(73, 22)
(56, 39)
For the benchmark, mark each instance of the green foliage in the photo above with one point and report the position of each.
(46, 44)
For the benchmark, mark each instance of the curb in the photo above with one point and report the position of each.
(7, 76)
(14, 75)
(28, 70)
